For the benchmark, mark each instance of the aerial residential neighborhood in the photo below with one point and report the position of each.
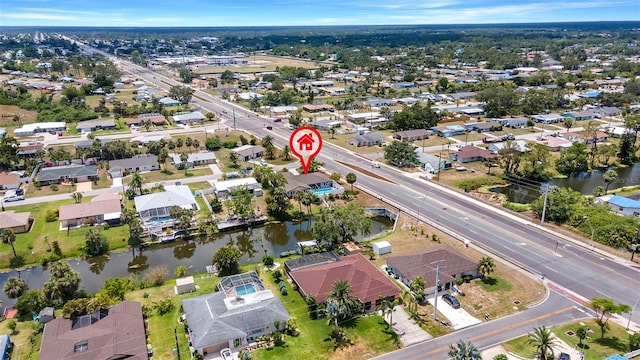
(476, 195)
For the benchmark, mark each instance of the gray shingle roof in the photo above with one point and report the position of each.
(54, 173)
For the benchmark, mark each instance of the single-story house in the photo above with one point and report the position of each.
(189, 118)
(321, 83)
(40, 127)
(367, 139)
(368, 283)
(155, 118)
(114, 333)
(315, 182)
(155, 207)
(249, 152)
(520, 145)
(421, 263)
(309, 260)
(327, 124)
(93, 125)
(599, 137)
(359, 118)
(145, 139)
(412, 135)
(471, 153)
(432, 163)
(167, 101)
(143, 162)
(29, 150)
(572, 136)
(547, 118)
(73, 173)
(555, 143)
(621, 204)
(448, 130)
(195, 159)
(138, 83)
(9, 181)
(482, 127)
(102, 208)
(518, 122)
(238, 314)
(317, 107)
(606, 111)
(18, 222)
(222, 189)
(580, 115)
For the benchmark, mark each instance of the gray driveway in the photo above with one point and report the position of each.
(410, 333)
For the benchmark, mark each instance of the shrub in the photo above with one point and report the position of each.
(459, 281)
(277, 275)
(164, 306)
(517, 207)
(156, 275)
(12, 324)
(500, 357)
(267, 260)
(54, 187)
(52, 215)
(216, 205)
(229, 144)
(284, 291)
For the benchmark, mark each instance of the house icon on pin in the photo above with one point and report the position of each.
(306, 142)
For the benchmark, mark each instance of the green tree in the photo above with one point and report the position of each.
(136, 182)
(11, 325)
(95, 243)
(562, 204)
(386, 305)
(417, 284)
(277, 202)
(400, 153)
(115, 288)
(63, 282)
(163, 156)
(77, 197)
(9, 237)
(486, 266)
(286, 153)
(543, 340)
(609, 177)
(14, 287)
(604, 309)
(183, 160)
(341, 293)
(634, 341)
(340, 224)
(568, 123)
(180, 271)
(463, 350)
(351, 179)
(187, 75)
(234, 158)
(30, 302)
(581, 333)
(226, 259)
(181, 93)
(227, 77)
(573, 160)
(415, 117)
(599, 191)
(188, 142)
(213, 143)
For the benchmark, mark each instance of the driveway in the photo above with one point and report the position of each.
(117, 182)
(83, 186)
(410, 333)
(459, 318)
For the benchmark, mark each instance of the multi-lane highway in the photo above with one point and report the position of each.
(573, 267)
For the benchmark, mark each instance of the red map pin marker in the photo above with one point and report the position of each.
(305, 143)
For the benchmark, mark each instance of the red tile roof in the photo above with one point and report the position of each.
(367, 282)
(471, 151)
(8, 179)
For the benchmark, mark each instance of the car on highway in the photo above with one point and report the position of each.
(269, 127)
(375, 165)
(277, 120)
(451, 300)
(226, 354)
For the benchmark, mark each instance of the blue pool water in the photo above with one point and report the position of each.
(160, 219)
(321, 192)
(245, 289)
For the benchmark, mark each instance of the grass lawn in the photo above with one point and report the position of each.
(23, 349)
(34, 191)
(32, 247)
(342, 141)
(204, 212)
(171, 173)
(201, 185)
(494, 284)
(615, 341)
(8, 111)
(368, 334)
(470, 136)
(104, 181)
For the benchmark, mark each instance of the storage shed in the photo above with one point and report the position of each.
(381, 247)
(46, 315)
(185, 285)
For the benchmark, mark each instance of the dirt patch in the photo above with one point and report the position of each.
(83, 186)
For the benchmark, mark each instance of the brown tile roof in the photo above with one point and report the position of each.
(8, 179)
(474, 151)
(303, 181)
(99, 205)
(10, 218)
(419, 263)
(118, 335)
(367, 282)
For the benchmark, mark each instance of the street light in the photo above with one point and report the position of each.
(631, 312)
(592, 230)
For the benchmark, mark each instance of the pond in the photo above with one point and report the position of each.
(583, 182)
(271, 239)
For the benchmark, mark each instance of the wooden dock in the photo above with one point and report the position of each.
(241, 223)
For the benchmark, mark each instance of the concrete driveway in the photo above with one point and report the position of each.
(410, 333)
(459, 318)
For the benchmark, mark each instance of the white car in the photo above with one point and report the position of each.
(375, 165)
(226, 354)
(263, 162)
(11, 195)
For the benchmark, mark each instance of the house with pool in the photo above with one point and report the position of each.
(233, 317)
(154, 209)
(314, 182)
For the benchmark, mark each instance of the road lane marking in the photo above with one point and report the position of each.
(493, 332)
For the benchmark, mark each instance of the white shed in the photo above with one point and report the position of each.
(185, 285)
(381, 247)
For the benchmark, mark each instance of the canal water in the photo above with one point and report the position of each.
(582, 182)
(195, 254)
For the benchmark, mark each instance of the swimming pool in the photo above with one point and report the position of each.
(161, 219)
(321, 192)
(245, 289)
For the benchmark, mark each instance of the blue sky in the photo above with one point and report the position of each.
(307, 12)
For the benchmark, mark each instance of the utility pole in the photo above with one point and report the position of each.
(435, 301)
(544, 206)
(234, 118)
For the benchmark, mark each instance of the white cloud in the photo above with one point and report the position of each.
(32, 16)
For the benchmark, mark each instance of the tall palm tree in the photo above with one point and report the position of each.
(286, 152)
(183, 159)
(188, 142)
(543, 340)
(9, 237)
(136, 182)
(267, 141)
(196, 144)
(486, 266)
(609, 177)
(386, 306)
(15, 287)
(341, 293)
(298, 196)
(179, 143)
(463, 350)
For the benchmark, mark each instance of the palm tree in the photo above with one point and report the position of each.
(15, 287)
(543, 340)
(196, 144)
(568, 123)
(136, 182)
(188, 142)
(267, 142)
(463, 350)
(341, 293)
(286, 152)
(234, 158)
(609, 177)
(179, 143)
(183, 159)
(486, 266)
(351, 178)
(77, 197)
(298, 196)
(386, 306)
(9, 237)
(171, 145)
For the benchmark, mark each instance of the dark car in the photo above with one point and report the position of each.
(564, 356)
(451, 300)
(269, 127)
(277, 120)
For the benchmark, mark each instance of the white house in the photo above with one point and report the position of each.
(621, 205)
(224, 188)
(153, 209)
(40, 127)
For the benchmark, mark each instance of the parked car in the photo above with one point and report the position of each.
(226, 354)
(451, 300)
(263, 162)
(375, 165)
(277, 120)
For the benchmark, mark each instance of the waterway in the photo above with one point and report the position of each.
(582, 182)
(272, 239)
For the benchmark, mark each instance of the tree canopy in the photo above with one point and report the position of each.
(340, 224)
